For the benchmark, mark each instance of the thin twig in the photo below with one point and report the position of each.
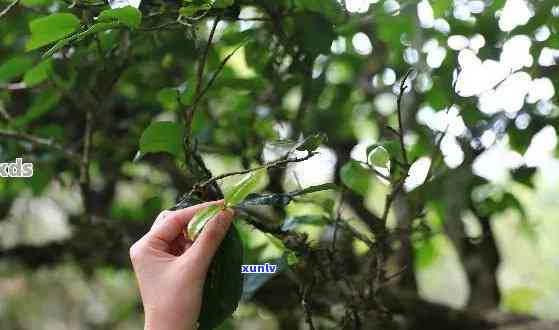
(39, 142)
(398, 273)
(337, 221)
(216, 73)
(203, 60)
(306, 308)
(8, 8)
(4, 114)
(162, 26)
(307, 87)
(189, 112)
(277, 163)
(381, 255)
(403, 88)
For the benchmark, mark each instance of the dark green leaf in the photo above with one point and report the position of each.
(162, 136)
(224, 282)
(269, 200)
(312, 142)
(312, 189)
(331, 9)
(292, 222)
(524, 175)
(51, 28)
(14, 67)
(128, 16)
(38, 74)
(223, 3)
(314, 32)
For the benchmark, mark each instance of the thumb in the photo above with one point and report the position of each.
(205, 246)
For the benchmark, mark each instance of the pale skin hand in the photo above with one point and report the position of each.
(171, 269)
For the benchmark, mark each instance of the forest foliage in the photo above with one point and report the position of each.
(197, 100)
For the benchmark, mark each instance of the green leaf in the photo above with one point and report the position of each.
(312, 142)
(93, 29)
(440, 7)
(379, 156)
(391, 28)
(32, 3)
(168, 98)
(355, 176)
(314, 32)
(162, 136)
(292, 222)
(187, 96)
(46, 30)
(270, 200)
(312, 189)
(392, 147)
(497, 204)
(330, 9)
(524, 175)
(223, 286)
(241, 190)
(223, 3)
(57, 46)
(521, 299)
(191, 10)
(128, 16)
(38, 74)
(425, 253)
(282, 199)
(201, 218)
(15, 67)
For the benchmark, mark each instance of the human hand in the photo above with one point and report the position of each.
(171, 269)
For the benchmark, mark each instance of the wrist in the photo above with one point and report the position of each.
(167, 321)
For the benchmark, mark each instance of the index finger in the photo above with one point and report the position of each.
(170, 225)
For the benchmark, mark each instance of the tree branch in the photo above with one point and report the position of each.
(189, 113)
(216, 73)
(84, 163)
(8, 8)
(403, 88)
(36, 141)
(277, 163)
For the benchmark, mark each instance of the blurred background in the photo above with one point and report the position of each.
(480, 120)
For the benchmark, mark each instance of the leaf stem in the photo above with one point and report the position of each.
(277, 163)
